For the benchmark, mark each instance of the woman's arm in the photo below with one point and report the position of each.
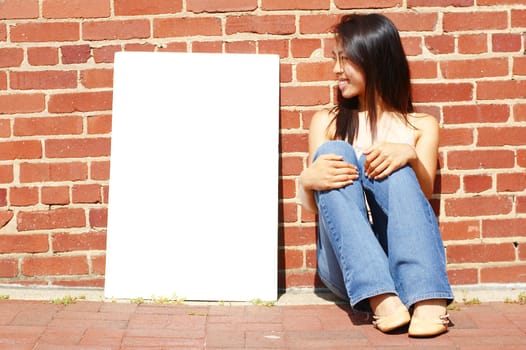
(384, 158)
(329, 171)
(426, 147)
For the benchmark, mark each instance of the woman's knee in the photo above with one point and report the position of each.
(338, 147)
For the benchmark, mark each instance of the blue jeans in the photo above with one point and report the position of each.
(401, 252)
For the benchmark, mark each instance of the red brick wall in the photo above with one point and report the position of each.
(56, 60)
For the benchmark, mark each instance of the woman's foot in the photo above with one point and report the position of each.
(389, 312)
(430, 318)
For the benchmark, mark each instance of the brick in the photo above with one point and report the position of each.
(289, 119)
(105, 54)
(274, 47)
(298, 236)
(462, 276)
(304, 95)
(11, 57)
(289, 212)
(519, 65)
(80, 102)
(53, 266)
(243, 46)
(477, 253)
(86, 193)
(42, 56)
(3, 81)
(30, 149)
(472, 43)
(285, 73)
(521, 158)
(519, 111)
(506, 42)
(5, 128)
(442, 92)
(304, 47)
(511, 182)
(423, 69)
(299, 279)
(182, 47)
(23, 196)
(291, 259)
(275, 24)
(447, 184)
(199, 6)
(51, 219)
(68, 242)
(477, 183)
(6, 174)
(273, 5)
(3, 32)
(8, 268)
(504, 274)
(317, 24)
(98, 264)
(287, 188)
(186, 27)
(100, 171)
(45, 32)
(143, 47)
(456, 137)
(315, 71)
(440, 3)
(479, 20)
(99, 124)
(75, 8)
(21, 243)
(460, 230)
(414, 21)
(44, 172)
(97, 78)
(19, 9)
(476, 68)
(518, 18)
(480, 113)
(43, 80)
(503, 136)
(113, 30)
(74, 54)
(291, 165)
(5, 215)
(480, 159)
(55, 195)
(294, 143)
(499, 228)
(356, 4)
(98, 218)
(147, 7)
(521, 204)
(478, 206)
(77, 148)
(67, 125)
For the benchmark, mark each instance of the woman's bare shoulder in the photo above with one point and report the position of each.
(322, 121)
(423, 121)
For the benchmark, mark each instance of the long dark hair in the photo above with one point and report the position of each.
(373, 43)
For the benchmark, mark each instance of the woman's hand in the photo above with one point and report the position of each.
(327, 172)
(384, 158)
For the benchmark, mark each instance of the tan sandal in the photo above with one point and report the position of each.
(393, 321)
(420, 327)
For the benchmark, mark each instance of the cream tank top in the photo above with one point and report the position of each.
(389, 129)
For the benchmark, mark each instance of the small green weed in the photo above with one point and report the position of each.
(260, 302)
(67, 300)
(521, 299)
(4, 297)
(472, 301)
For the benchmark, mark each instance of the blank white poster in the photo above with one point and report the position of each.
(193, 194)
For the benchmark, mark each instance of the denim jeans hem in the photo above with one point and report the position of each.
(428, 296)
(360, 301)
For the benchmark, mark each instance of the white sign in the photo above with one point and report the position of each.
(193, 194)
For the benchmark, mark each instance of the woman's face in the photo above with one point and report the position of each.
(351, 80)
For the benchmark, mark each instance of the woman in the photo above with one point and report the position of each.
(372, 164)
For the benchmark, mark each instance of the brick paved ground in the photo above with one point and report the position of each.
(97, 325)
